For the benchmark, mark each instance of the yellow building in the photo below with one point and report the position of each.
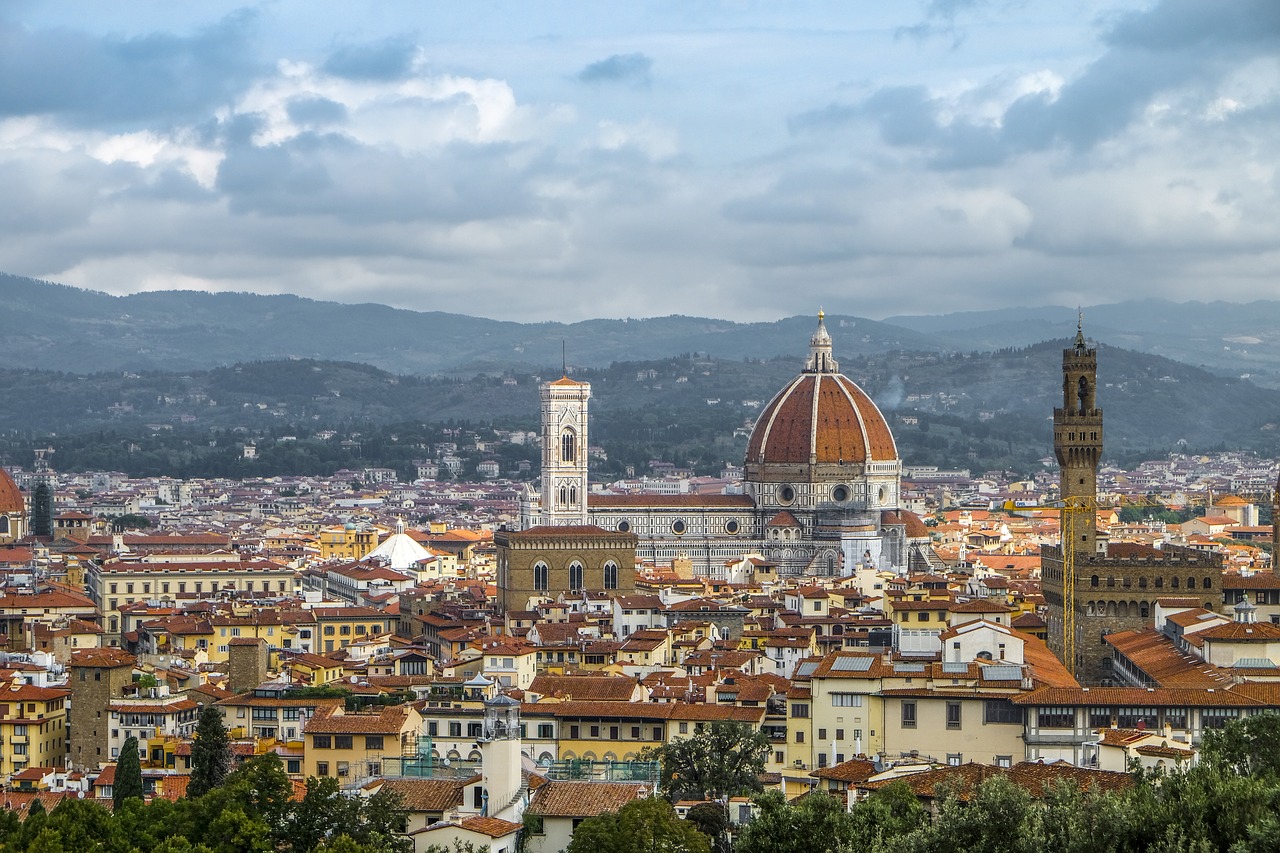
(349, 542)
(313, 670)
(33, 727)
(338, 627)
(115, 583)
(354, 746)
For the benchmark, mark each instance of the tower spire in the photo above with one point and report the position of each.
(820, 359)
(1080, 344)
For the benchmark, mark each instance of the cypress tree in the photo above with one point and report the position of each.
(210, 753)
(128, 773)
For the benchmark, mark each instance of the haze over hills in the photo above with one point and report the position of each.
(1231, 338)
(186, 362)
(55, 327)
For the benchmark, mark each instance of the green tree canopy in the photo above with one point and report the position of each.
(724, 759)
(646, 825)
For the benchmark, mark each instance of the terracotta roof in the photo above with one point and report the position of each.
(841, 425)
(591, 687)
(10, 497)
(1237, 696)
(1032, 776)
(690, 501)
(104, 657)
(1243, 632)
(494, 827)
(547, 531)
(853, 770)
(1156, 655)
(388, 720)
(1259, 580)
(584, 799)
(425, 795)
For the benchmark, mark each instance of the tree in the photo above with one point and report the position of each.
(210, 753)
(712, 820)
(724, 759)
(323, 813)
(817, 822)
(646, 825)
(128, 781)
(1248, 746)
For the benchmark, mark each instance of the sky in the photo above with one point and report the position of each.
(568, 160)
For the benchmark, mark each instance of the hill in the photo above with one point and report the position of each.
(977, 410)
(55, 327)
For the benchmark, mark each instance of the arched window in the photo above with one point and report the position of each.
(4, 525)
(1142, 583)
(1144, 610)
(573, 496)
(564, 495)
(575, 575)
(1191, 583)
(1083, 394)
(540, 577)
(568, 446)
(1093, 581)
(1159, 583)
(611, 575)
(1208, 583)
(1173, 582)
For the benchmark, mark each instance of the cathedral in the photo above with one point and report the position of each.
(820, 493)
(13, 510)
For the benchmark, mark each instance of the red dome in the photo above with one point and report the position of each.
(821, 418)
(10, 498)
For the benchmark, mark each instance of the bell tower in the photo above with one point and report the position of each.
(1077, 437)
(564, 452)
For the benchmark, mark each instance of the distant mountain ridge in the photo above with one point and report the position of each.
(1230, 338)
(55, 327)
(49, 326)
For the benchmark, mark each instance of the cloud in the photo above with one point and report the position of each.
(939, 20)
(389, 59)
(315, 111)
(87, 80)
(631, 69)
(1178, 46)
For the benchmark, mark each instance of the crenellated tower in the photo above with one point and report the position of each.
(1077, 438)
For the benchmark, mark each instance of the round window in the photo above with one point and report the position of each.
(677, 527)
(840, 494)
(624, 527)
(884, 494)
(731, 527)
(786, 494)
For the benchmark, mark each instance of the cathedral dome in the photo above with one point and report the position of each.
(821, 417)
(10, 498)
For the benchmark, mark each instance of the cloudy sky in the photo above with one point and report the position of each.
(561, 160)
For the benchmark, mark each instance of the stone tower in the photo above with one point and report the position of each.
(1077, 438)
(97, 677)
(564, 452)
(246, 663)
